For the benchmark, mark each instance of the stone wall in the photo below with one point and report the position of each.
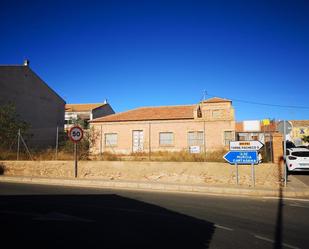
(163, 172)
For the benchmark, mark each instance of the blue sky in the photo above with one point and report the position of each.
(152, 53)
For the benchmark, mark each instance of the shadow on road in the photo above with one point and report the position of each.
(279, 219)
(97, 221)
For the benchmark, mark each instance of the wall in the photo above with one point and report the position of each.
(102, 111)
(162, 172)
(214, 134)
(35, 102)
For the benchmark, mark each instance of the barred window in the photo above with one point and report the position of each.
(195, 138)
(111, 139)
(228, 136)
(166, 138)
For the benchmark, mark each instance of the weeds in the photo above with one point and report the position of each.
(66, 152)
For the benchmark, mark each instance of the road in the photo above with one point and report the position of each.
(303, 177)
(41, 216)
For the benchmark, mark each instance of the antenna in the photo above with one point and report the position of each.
(204, 95)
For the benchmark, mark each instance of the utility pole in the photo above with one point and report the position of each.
(18, 143)
(57, 138)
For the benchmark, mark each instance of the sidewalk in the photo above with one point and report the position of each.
(295, 187)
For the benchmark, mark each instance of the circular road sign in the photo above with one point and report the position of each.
(76, 134)
(288, 127)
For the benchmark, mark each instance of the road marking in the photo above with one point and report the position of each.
(223, 227)
(285, 199)
(272, 241)
(297, 205)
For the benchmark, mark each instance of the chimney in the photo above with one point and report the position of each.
(26, 63)
(105, 101)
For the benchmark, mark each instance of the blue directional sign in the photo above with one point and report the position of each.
(241, 157)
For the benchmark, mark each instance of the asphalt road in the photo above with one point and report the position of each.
(302, 176)
(38, 216)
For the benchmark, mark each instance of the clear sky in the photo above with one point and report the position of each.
(152, 53)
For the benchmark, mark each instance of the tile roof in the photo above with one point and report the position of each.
(82, 107)
(216, 100)
(151, 113)
(300, 122)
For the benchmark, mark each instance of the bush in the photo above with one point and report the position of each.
(2, 169)
(10, 123)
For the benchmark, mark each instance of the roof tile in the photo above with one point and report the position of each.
(151, 113)
(81, 107)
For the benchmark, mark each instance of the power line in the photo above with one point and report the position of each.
(259, 103)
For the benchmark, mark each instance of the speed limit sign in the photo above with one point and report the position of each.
(76, 134)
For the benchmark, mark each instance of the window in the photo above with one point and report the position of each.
(195, 138)
(68, 121)
(228, 136)
(301, 153)
(111, 139)
(216, 114)
(166, 138)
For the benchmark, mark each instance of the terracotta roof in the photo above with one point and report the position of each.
(216, 100)
(151, 113)
(81, 107)
(300, 122)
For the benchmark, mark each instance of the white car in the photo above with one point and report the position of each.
(297, 159)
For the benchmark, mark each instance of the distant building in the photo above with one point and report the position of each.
(255, 130)
(83, 113)
(35, 102)
(300, 128)
(206, 126)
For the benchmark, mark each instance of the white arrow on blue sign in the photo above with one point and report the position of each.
(241, 157)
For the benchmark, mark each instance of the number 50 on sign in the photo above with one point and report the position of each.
(76, 134)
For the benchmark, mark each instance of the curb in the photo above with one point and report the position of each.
(151, 186)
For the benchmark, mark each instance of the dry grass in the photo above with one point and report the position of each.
(106, 156)
(182, 156)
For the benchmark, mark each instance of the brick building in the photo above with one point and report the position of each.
(206, 126)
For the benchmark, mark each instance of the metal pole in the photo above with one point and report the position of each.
(18, 143)
(204, 141)
(101, 142)
(24, 143)
(252, 174)
(236, 173)
(149, 150)
(75, 159)
(271, 147)
(57, 140)
(284, 153)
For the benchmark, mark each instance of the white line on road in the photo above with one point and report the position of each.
(272, 241)
(297, 205)
(223, 227)
(285, 199)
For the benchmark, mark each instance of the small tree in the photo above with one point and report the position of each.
(305, 139)
(10, 123)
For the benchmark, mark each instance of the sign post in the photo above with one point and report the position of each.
(284, 153)
(237, 175)
(252, 175)
(244, 152)
(76, 134)
(284, 128)
(246, 145)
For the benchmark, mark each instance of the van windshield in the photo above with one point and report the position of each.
(301, 153)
